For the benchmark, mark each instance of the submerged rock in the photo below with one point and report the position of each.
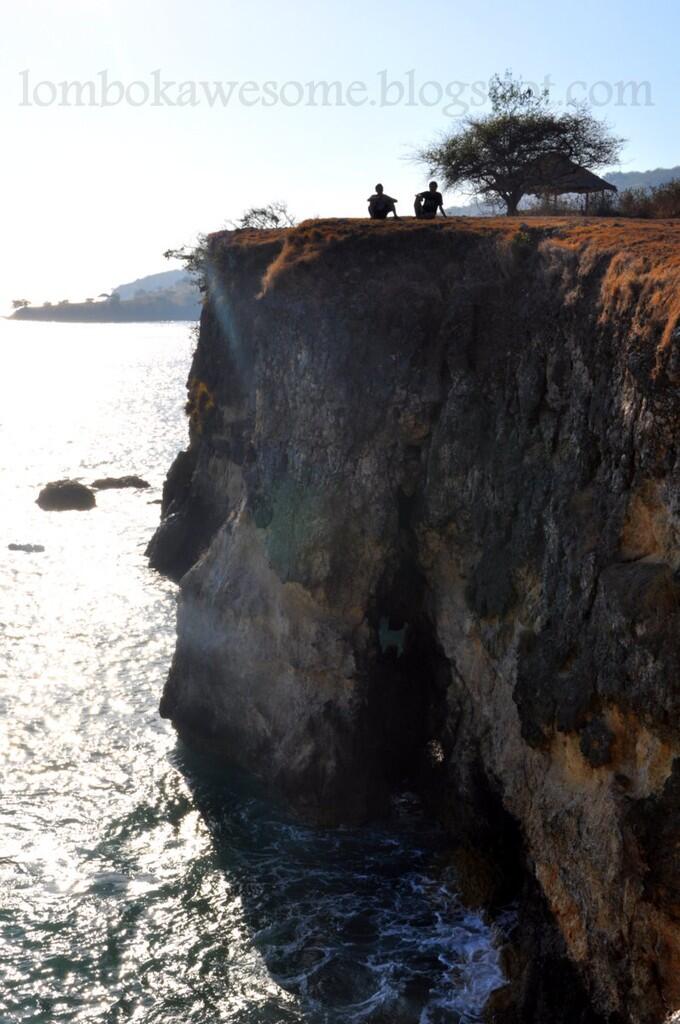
(110, 482)
(430, 503)
(65, 495)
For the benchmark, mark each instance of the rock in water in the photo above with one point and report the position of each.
(108, 483)
(65, 495)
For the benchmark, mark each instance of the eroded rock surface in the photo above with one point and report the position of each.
(429, 525)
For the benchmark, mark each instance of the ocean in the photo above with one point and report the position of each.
(138, 882)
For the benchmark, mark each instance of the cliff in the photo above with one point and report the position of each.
(428, 527)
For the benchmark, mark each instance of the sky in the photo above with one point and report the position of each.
(99, 180)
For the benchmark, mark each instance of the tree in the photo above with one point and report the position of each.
(499, 154)
(666, 199)
(20, 303)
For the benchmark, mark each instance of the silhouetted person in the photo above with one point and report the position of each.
(380, 204)
(427, 203)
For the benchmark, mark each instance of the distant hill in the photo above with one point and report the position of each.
(171, 295)
(150, 308)
(643, 179)
(167, 280)
(472, 209)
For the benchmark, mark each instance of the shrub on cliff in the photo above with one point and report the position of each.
(194, 259)
(257, 218)
(658, 202)
(273, 215)
(666, 199)
(499, 154)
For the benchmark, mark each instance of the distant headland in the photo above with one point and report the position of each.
(171, 295)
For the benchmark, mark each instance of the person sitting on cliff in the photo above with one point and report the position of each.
(427, 203)
(380, 204)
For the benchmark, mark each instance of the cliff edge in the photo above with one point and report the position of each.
(428, 527)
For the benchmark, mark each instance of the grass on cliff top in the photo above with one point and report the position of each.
(643, 270)
(640, 258)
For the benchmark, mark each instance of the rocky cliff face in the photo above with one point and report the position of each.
(428, 525)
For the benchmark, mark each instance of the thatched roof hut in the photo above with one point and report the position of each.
(555, 174)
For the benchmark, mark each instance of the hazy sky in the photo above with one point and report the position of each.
(93, 194)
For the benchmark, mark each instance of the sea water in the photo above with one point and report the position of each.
(138, 883)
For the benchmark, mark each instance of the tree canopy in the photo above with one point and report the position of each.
(498, 154)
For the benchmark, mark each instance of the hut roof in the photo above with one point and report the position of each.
(558, 174)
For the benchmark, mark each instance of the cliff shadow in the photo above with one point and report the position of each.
(356, 924)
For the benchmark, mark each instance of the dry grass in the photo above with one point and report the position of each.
(641, 257)
(643, 270)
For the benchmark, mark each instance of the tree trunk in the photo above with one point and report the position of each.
(512, 203)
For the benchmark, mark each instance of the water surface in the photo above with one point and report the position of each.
(136, 884)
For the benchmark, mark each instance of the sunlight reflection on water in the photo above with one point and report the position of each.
(134, 885)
